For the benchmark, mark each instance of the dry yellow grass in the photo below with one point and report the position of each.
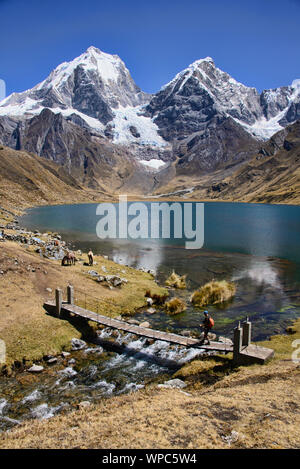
(261, 404)
(175, 306)
(30, 333)
(213, 292)
(285, 345)
(27, 179)
(176, 281)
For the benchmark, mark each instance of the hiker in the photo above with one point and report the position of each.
(91, 257)
(207, 324)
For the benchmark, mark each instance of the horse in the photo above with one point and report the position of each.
(91, 258)
(69, 259)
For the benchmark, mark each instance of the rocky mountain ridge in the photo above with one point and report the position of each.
(89, 113)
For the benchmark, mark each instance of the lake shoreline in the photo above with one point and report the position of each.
(10, 216)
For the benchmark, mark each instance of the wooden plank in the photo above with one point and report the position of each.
(142, 331)
(261, 353)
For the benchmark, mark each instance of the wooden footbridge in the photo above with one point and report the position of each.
(240, 348)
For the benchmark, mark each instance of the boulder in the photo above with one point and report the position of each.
(78, 344)
(233, 437)
(211, 336)
(186, 333)
(68, 371)
(93, 273)
(173, 384)
(116, 282)
(100, 278)
(145, 324)
(83, 404)
(36, 369)
(133, 321)
(52, 361)
(225, 340)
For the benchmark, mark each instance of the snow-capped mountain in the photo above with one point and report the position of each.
(92, 84)
(94, 89)
(202, 91)
(203, 118)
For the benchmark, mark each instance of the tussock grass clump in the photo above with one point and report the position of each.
(175, 306)
(213, 292)
(176, 281)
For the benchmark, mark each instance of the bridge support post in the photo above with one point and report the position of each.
(237, 342)
(58, 301)
(246, 333)
(70, 293)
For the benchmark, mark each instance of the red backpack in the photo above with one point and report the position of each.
(211, 323)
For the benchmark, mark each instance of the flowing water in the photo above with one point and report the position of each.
(89, 375)
(255, 245)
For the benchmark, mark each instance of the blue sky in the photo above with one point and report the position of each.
(257, 41)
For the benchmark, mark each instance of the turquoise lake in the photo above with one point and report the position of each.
(255, 245)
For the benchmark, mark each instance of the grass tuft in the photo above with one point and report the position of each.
(175, 306)
(213, 292)
(176, 281)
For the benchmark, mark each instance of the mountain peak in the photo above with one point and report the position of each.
(189, 70)
(93, 51)
(296, 84)
(200, 61)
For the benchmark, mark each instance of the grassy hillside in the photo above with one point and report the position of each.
(29, 333)
(27, 180)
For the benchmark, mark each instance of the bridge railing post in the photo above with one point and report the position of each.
(237, 342)
(58, 301)
(246, 340)
(70, 294)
